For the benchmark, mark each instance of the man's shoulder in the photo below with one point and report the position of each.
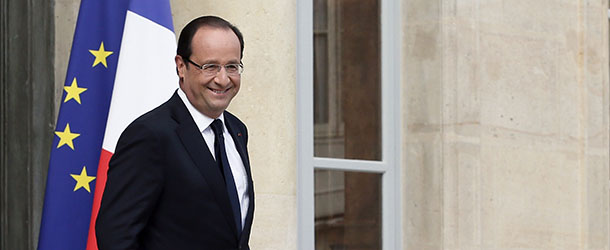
(160, 113)
(157, 118)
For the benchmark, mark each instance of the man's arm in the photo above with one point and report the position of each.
(135, 178)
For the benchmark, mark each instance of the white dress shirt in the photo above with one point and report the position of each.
(237, 166)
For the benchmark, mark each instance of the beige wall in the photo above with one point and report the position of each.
(266, 102)
(506, 117)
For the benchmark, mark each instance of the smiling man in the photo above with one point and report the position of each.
(180, 177)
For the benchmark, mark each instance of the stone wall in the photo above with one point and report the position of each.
(506, 116)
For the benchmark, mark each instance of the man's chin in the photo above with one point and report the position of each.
(218, 108)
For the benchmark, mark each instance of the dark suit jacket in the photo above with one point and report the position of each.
(164, 189)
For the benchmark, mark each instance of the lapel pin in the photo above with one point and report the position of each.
(238, 134)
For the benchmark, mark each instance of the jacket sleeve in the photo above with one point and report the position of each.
(133, 187)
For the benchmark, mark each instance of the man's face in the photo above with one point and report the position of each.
(210, 95)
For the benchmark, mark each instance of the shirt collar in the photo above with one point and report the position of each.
(202, 121)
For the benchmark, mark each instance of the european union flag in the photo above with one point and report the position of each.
(110, 36)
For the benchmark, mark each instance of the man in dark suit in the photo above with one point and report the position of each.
(180, 177)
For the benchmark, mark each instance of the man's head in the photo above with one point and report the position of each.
(209, 42)
(186, 36)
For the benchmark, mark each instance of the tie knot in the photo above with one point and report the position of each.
(217, 127)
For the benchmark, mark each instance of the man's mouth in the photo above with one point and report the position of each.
(219, 91)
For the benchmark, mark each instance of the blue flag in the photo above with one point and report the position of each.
(121, 65)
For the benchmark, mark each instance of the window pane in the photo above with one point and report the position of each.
(347, 210)
(347, 79)
(320, 10)
(320, 57)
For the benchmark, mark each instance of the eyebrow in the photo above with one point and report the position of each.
(213, 61)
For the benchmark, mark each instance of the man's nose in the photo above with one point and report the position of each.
(221, 77)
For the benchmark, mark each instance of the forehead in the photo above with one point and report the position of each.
(211, 43)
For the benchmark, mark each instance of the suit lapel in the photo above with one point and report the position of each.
(196, 147)
(239, 143)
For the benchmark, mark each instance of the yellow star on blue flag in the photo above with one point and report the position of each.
(100, 55)
(82, 180)
(66, 137)
(73, 91)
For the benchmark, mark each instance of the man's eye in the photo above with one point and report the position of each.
(231, 67)
(210, 67)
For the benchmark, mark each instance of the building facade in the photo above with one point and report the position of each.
(381, 124)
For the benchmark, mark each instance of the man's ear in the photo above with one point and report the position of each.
(180, 66)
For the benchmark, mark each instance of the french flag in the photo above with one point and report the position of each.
(121, 66)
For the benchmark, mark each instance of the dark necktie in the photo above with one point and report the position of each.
(223, 163)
